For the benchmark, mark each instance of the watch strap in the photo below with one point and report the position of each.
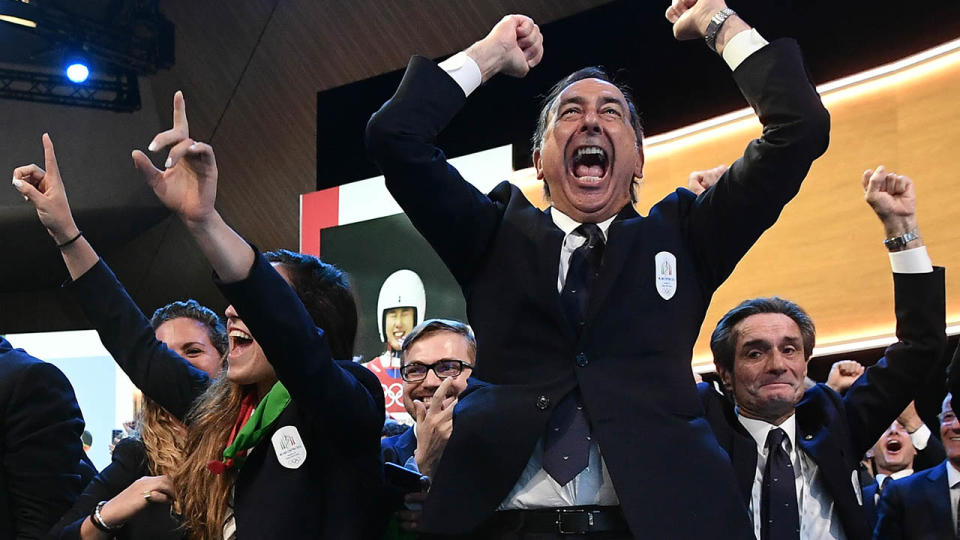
(713, 28)
(899, 242)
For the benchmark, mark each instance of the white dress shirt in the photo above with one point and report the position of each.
(818, 511)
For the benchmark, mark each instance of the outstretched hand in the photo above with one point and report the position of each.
(512, 47)
(44, 190)
(188, 183)
(892, 198)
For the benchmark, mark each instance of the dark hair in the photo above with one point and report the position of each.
(550, 101)
(723, 342)
(435, 326)
(191, 309)
(325, 291)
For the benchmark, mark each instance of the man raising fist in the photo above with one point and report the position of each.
(587, 313)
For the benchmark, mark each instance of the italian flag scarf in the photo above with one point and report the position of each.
(252, 424)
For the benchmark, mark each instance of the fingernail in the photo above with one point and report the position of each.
(152, 147)
(17, 183)
(168, 163)
(26, 198)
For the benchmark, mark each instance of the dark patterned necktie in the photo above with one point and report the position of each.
(566, 447)
(780, 518)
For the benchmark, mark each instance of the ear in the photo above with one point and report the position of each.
(725, 375)
(638, 169)
(538, 163)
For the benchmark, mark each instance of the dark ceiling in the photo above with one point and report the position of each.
(283, 88)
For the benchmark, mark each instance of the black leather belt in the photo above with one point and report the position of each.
(567, 520)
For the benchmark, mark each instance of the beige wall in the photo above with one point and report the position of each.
(825, 252)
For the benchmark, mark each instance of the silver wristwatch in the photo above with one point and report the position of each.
(716, 22)
(899, 242)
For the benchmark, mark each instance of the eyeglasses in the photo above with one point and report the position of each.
(416, 371)
(947, 418)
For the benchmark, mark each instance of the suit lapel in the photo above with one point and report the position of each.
(548, 240)
(939, 496)
(743, 456)
(620, 238)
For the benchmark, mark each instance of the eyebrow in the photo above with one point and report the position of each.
(764, 344)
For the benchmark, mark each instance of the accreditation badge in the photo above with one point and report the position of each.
(665, 273)
(288, 445)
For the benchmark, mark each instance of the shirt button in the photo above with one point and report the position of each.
(543, 402)
(582, 360)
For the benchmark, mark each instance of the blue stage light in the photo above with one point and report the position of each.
(77, 72)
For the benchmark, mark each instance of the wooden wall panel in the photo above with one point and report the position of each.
(826, 251)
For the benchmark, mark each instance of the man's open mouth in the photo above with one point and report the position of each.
(893, 446)
(589, 163)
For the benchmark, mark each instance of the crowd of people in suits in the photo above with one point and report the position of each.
(566, 409)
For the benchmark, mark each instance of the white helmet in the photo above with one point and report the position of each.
(402, 288)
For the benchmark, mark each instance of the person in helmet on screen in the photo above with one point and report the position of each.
(400, 307)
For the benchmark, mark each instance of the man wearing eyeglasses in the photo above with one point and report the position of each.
(437, 358)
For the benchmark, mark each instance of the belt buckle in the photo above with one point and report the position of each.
(578, 511)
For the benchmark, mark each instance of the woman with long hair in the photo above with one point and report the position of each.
(286, 444)
(145, 461)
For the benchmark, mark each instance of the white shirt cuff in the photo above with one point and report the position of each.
(911, 261)
(464, 71)
(920, 437)
(742, 45)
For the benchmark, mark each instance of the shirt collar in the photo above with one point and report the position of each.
(758, 429)
(568, 225)
(897, 475)
(953, 475)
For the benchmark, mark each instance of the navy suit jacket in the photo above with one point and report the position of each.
(336, 406)
(917, 507)
(931, 456)
(40, 448)
(836, 431)
(631, 360)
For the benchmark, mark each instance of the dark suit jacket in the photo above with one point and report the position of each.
(399, 448)
(836, 431)
(917, 507)
(337, 406)
(931, 456)
(40, 448)
(632, 359)
(128, 464)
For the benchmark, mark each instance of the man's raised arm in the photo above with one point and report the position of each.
(452, 215)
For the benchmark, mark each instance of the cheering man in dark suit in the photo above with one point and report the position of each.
(924, 504)
(796, 451)
(40, 448)
(588, 312)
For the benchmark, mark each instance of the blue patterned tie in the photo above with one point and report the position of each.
(566, 447)
(780, 518)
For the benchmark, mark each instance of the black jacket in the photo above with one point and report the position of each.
(128, 464)
(836, 431)
(40, 448)
(632, 359)
(337, 407)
